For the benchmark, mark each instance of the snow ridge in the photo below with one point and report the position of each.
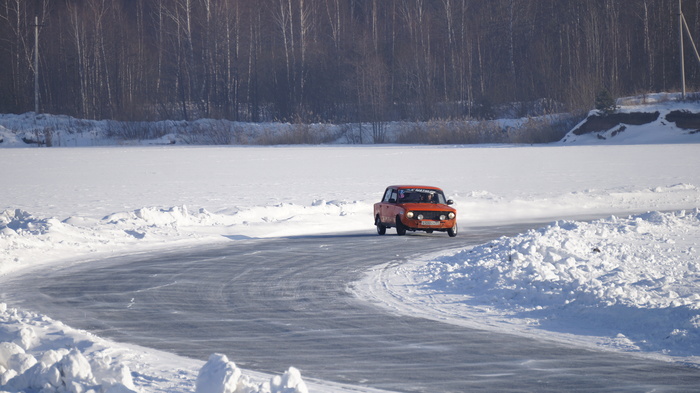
(631, 280)
(38, 354)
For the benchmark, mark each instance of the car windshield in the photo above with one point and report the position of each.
(420, 195)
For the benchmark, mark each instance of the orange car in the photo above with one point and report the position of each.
(415, 208)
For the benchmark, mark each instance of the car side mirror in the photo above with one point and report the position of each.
(450, 201)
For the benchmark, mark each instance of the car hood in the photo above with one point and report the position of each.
(427, 206)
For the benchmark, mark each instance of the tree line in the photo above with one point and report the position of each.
(334, 60)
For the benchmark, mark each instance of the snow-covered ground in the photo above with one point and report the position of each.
(619, 283)
(626, 282)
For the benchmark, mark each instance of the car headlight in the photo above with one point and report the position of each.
(451, 215)
(409, 214)
(442, 217)
(420, 216)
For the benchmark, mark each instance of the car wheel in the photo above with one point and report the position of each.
(381, 229)
(400, 229)
(452, 231)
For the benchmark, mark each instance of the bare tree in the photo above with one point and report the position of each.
(298, 59)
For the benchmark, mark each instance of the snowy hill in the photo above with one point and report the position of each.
(659, 118)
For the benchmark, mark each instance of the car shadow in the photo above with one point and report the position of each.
(332, 235)
(372, 234)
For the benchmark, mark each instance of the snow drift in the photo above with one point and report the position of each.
(38, 354)
(624, 279)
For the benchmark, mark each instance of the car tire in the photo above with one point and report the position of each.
(452, 231)
(400, 228)
(381, 229)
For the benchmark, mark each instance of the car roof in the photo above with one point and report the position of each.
(415, 186)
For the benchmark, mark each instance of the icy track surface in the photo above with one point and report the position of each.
(624, 283)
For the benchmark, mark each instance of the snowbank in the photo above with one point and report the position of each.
(645, 261)
(629, 284)
(27, 241)
(38, 354)
(30, 130)
(219, 375)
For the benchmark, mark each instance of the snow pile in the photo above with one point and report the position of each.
(180, 216)
(174, 216)
(28, 129)
(485, 207)
(24, 237)
(38, 354)
(219, 375)
(21, 222)
(634, 282)
(9, 138)
(69, 366)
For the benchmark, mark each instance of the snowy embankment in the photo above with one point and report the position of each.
(625, 283)
(629, 284)
(38, 354)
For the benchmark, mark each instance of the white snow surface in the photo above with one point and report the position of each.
(628, 284)
(626, 281)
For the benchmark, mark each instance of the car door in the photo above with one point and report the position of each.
(388, 206)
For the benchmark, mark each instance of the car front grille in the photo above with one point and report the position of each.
(430, 215)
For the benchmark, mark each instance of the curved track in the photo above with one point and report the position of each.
(270, 304)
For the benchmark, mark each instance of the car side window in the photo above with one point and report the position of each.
(394, 196)
(387, 195)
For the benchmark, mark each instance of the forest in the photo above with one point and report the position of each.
(335, 60)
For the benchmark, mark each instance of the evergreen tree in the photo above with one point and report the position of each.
(605, 102)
